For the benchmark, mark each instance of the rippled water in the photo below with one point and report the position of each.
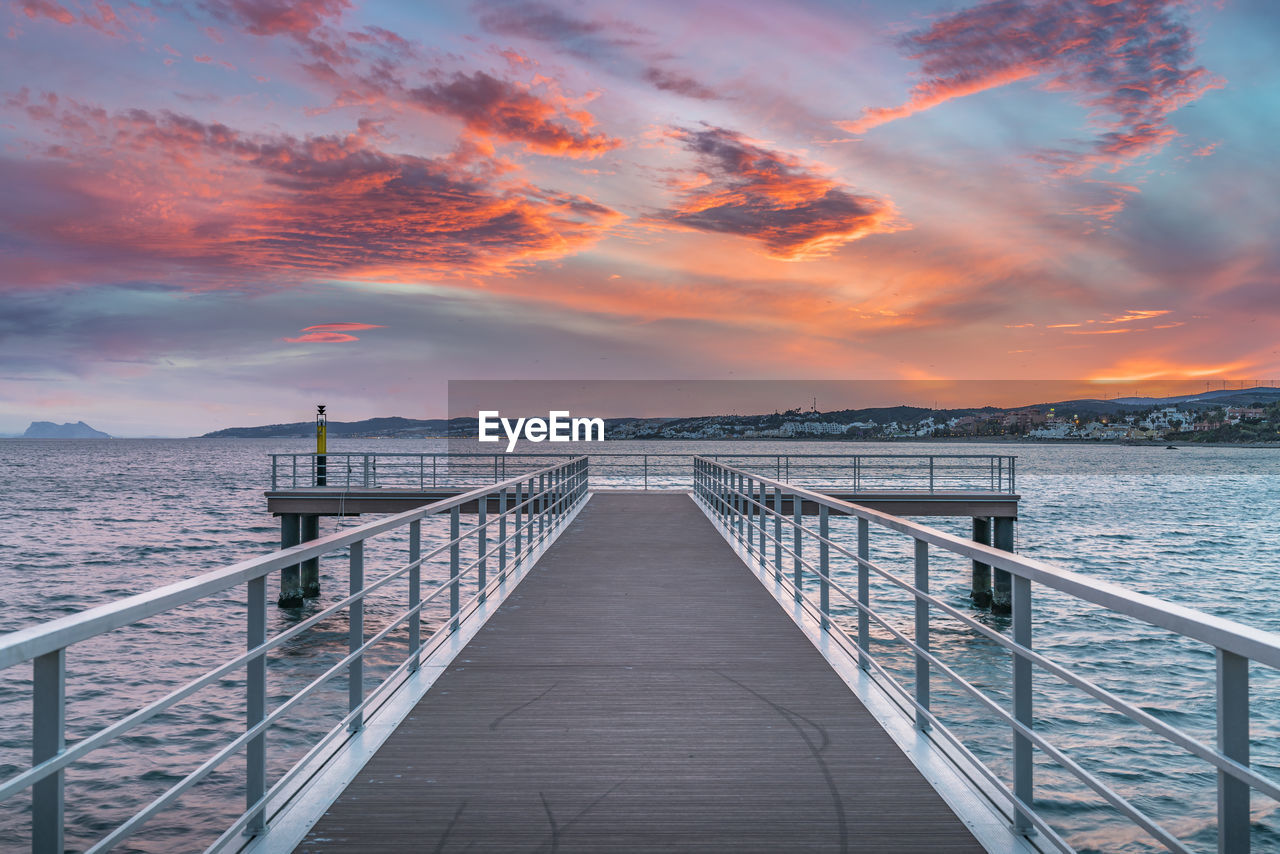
(89, 522)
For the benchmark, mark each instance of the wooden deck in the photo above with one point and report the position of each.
(639, 691)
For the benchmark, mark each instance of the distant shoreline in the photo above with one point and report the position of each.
(1159, 444)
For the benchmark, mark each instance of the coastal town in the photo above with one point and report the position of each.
(1248, 423)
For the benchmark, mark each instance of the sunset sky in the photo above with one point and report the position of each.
(221, 213)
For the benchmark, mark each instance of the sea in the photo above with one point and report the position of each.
(89, 522)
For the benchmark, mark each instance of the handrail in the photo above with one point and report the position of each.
(933, 473)
(542, 500)
(26, 644)
(1255, 644)
(739, 502)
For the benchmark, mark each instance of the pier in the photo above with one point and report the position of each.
(697, 667)
(644, 694)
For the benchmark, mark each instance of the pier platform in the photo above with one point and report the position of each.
(640, 690)
(355, 501)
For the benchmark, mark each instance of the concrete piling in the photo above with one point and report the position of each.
(310, 530)
(290, 576)
(980, 590)
(1002, 582)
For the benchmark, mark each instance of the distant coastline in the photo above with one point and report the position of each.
(1226, 417)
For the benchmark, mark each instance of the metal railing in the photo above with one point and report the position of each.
(855, 472)
(531, 509)
(749, 510)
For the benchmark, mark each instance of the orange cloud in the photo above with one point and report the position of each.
(145, 191)
(497, 109)
(1157, 369)
(769, 196)
(322, 338)
(1136, 314)
(930, 93)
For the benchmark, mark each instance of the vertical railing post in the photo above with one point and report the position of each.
(455, 528)
(1233, 741)
(415, 592)
(726, 499)
(797, 568)
(518, 521)
(273, 472)
(256, 703)
(739, 505)
(646, 472)
(502, 536)
(864, 594)
(777, 534)
(556, 475)
(355, 637)
(824, 565)
(922, 634)
(48, 738)
(1023, 764)
(764, 516)
(435, 459)
(482, 545)
(930, 473)
(722, 497)
(542, 505)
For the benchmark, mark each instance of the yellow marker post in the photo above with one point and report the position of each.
(322, 434)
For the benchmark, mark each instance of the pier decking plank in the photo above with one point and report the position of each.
(639, 691)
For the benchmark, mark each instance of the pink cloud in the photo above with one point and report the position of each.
(277, 17)
(208, 60)
(35, 9)
(1131, 63)
(342, 327)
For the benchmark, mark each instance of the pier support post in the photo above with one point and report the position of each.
(1002, 582)
(310, 530)
(980, 591)
(290, 576)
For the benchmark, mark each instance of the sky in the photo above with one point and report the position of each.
(221, 213)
